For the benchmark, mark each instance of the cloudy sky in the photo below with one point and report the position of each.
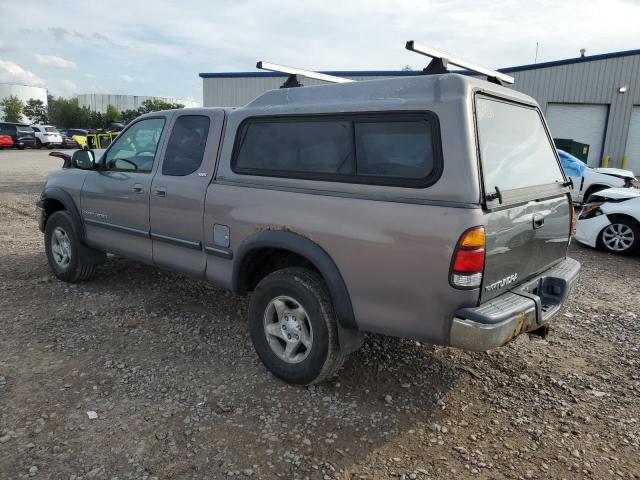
(146, 47)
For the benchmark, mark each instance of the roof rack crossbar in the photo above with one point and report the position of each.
(295, 73)
(441, 59)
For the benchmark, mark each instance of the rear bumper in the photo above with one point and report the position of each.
(523, 309)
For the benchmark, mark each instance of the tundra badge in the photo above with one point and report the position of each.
(502, 283)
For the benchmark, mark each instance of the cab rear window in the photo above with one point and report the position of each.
(515, 150)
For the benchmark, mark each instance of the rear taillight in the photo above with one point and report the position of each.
(468, 259)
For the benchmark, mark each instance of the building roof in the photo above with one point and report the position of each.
(409, 73)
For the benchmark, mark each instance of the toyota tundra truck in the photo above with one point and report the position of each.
(430, 207)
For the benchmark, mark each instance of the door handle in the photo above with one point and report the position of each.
(538, 221)
(137, 188)
(161, 192)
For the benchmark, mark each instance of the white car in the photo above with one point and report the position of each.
(587, 181)
(47, 136)
(612, 221)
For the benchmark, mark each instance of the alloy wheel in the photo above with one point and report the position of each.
(61, 247)
(618, 237)
(288, 329)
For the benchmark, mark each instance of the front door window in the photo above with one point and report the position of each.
(135, 149)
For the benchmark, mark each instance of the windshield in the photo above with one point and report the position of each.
(514, 146)
(572, 166)
(24, 129)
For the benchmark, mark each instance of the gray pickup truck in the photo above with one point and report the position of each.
(430, 207)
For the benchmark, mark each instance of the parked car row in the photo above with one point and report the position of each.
(21, 136)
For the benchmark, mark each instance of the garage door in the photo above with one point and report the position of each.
(632, 151)
(580, 122)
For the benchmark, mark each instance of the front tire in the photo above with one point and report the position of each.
(294, 327)
(62, 247)
(622, 237)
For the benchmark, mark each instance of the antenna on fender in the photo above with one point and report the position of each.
(440, 60)
(295, 73)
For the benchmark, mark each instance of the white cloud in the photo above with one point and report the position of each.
(54, 62)
(68, 85)
(162, 57)
(11, 72)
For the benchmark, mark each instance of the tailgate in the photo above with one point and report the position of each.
(522, 241)
(528, 209)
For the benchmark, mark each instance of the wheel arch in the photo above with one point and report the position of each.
(52, 198)
(303, 247)
(593, 188)
(625, 216)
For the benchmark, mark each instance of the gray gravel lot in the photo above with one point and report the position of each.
(141, 373)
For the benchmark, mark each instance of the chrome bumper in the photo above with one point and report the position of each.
(523, 309)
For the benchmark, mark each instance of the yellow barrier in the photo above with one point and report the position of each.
(625, 161)
(606, 161)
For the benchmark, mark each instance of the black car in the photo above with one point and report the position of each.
(22, 135)
(70, 132)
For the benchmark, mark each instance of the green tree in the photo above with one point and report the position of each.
(12, 108)
(35, 111)
(96, 120)
(407, 68)
(128, 115)
(148, 106)
(66, 113)
(155, 105)
(112, 115)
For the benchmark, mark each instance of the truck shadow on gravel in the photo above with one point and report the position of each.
(167, 363)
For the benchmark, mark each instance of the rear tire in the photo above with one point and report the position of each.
(38, 144)
(622, 237)
(294, 327)
(62, 247)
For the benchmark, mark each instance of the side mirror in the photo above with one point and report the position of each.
(83, 159)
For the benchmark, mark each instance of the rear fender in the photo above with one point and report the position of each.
(348, 335)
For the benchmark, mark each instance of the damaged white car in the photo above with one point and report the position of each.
(587, 181)
(611, 221)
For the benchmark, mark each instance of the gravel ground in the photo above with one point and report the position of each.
(142, 374)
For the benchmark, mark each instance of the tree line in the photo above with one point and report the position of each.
(66, 113)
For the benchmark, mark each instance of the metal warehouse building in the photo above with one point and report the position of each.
(98, 102)
(590, 99)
